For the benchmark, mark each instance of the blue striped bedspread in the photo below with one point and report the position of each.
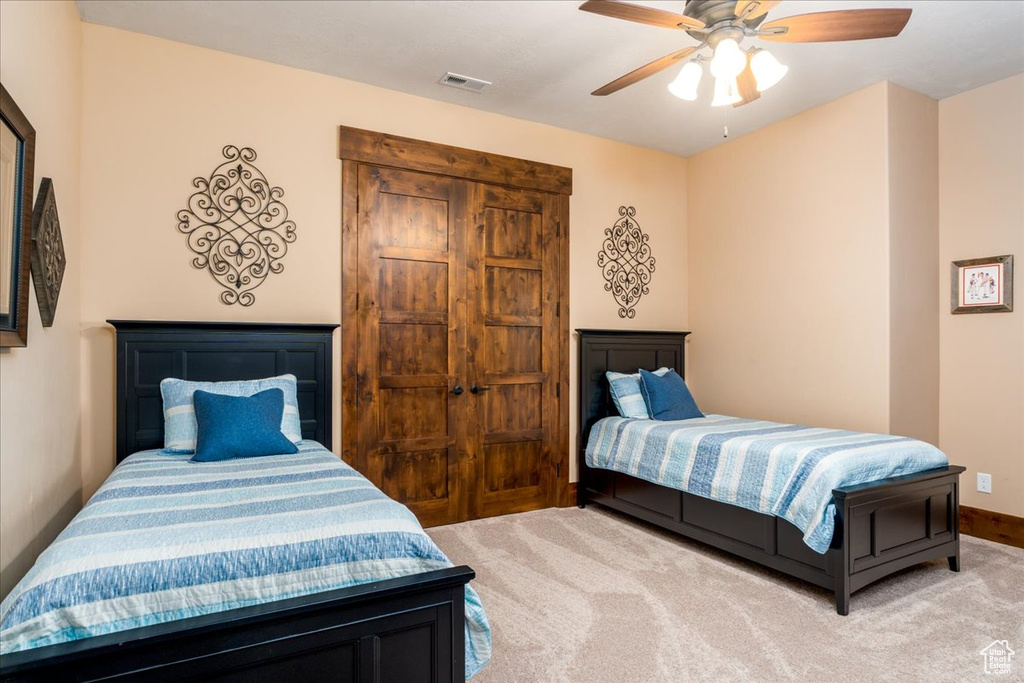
(779, 469)
(166, 539)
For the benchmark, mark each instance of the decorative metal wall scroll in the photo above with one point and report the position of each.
(237, 226)
(626, 262)
(48, 260)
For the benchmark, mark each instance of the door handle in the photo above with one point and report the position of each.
(478, 390)
(457, 390)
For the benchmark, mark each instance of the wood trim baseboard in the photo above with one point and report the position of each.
(992, 526)
(569, 499)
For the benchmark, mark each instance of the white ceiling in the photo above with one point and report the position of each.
(544, 58)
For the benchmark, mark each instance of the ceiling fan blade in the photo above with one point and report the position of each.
(747, 85)
(752, 9)
(850, 24)
(641, 14)
(643, 72)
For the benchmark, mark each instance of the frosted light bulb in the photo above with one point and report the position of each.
(767, 70)
(729, 60)
(685, 85)
(727, 91)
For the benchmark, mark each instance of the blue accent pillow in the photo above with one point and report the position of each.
(240, 426)
(626, 393)
(667, 397)
(180, 416)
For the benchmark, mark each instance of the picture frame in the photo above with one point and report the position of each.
(48, 258)
(17, 163)
(982, 285)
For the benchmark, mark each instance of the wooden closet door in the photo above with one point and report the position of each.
(513, 349)
(411, 339)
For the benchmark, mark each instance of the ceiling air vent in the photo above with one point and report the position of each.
(464, 82)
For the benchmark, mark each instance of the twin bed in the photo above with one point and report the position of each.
(282, 567)
(890, 503)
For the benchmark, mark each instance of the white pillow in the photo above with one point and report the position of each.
(626, 393)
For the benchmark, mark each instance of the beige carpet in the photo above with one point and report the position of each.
(591, 596)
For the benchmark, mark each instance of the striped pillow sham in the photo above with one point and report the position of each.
(626, 393)
(180, 427)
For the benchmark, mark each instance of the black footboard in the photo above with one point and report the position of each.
(888, 525)
(399, 631)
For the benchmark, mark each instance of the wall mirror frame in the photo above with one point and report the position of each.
(17, 162)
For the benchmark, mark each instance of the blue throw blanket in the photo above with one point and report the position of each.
(166, 539)
(778, 469)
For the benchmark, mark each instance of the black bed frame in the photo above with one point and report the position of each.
(401, 630)
(881, 527)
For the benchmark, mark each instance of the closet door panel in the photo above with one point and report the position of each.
(512, 261)
(411, 292)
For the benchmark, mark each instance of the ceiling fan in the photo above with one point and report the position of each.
(740, 76)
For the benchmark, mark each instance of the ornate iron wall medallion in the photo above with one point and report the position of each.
(626, 262)
(237, 226)
(48, 259)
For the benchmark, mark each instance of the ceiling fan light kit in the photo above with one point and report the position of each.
(740, 75)
(730, 61)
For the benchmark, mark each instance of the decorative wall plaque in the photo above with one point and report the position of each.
(626, 262)
(48, 261)
(982, 285)
(237, 226)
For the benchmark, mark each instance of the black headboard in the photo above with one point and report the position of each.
(149, 351)
(620, 351)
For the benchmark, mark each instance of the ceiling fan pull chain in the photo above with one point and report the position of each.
(725, 126)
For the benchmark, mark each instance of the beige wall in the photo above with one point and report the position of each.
(40, 474)
(789, 295)
(913, 139)
(981, 187)
(157, 113)
(806, 299)
(871, 196)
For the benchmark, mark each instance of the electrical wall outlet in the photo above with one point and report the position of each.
(984, 482)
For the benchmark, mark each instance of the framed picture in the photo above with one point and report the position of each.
(982, 285)
(17, 154)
